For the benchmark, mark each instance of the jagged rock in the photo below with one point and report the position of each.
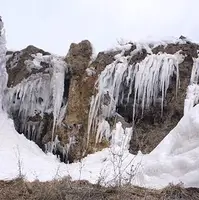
(79, 56)
(103, 59)
(80, 93)
(78, 59)
(138, 57)
(182, 37)
(16, 67)
(189, 49)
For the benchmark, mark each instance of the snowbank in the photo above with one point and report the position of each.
(174, 160)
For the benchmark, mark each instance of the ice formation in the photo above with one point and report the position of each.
(192, 97)
(147, 81)
(39, 94)
(3, 73)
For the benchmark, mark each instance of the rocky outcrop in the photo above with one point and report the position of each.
(80, 91)
(152, 127)
(36, 80)
(84, 74)
(80, 85)
(16, 67)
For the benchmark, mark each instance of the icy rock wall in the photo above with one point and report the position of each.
(146, 81)
(39, 95)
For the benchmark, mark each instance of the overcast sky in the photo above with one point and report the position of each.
(54, 24)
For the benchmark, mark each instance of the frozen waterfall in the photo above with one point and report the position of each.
(147, 81)
(40, 94)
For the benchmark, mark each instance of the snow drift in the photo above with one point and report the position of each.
(175, 159)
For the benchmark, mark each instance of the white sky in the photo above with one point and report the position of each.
(54, 24)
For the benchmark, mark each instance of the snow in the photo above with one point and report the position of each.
(150, 43)
(90, 71)
(16, 148)
(174, 160)
(104, 129)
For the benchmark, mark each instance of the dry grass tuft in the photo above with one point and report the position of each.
(175, 192)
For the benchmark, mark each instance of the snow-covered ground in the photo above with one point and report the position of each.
(174, 160)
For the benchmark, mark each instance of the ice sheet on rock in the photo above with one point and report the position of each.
(57, 85)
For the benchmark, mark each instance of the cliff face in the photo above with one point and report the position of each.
(50, 98)
(37, 93)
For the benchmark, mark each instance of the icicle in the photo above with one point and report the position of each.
(195, 71)
(57, 85)
(145, 81)
(120, 138)
(103, 130)
(39, 94)
(192, 97)
(152, 77)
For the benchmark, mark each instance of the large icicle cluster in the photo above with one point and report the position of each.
(39, 94)
(146, 81)
(192, 97)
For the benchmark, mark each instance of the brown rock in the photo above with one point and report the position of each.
(19, 71)
(79, 56)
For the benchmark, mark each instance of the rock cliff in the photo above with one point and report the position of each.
(50, 98)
